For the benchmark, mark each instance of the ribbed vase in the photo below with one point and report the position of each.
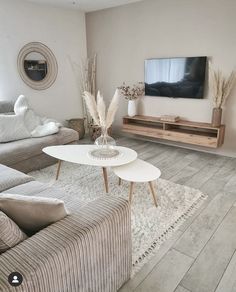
(216, 117)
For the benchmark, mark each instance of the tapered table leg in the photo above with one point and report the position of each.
(104, 170)
(131, 191)
(153, 192)
(58, 169)
(119, 181)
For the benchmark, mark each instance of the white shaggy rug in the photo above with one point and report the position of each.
(151, 226)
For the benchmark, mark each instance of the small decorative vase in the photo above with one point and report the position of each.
(132, 108)
(216, 117)
(96, 131)
(105, 145)
(77, 125)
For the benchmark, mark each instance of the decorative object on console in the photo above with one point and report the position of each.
(103, 119)
(78, 126)
(37, 65)
(132, 94)
(221, 88)
(169, 118)
(132, 108)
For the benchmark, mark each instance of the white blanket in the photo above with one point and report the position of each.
(25, 123)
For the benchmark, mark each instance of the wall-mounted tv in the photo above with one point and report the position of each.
(175, 77)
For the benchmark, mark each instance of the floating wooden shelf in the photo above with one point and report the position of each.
(201, 134)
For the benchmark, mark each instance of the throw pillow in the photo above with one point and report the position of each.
(12, 127)
(10, 233)
(32, 213)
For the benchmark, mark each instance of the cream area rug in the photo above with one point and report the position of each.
(151, 226)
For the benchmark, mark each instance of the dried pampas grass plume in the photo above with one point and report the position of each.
(221, 86)
(92, 107)
(112, 109)
(98, 110)
(101, 109)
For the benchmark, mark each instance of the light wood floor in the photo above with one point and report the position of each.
(201, 255)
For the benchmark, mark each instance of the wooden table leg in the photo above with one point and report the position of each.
(119, 181)
(58, 169)
(131, 191)
(153, 192)
(104, 170)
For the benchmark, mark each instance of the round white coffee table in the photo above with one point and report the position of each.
(81, 154)
(138, 171)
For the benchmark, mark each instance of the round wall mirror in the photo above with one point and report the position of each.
(37, 65)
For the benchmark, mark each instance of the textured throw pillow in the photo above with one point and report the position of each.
(32, 213)
(12, 127)
(10, 233)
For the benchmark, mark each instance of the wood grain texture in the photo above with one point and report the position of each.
(228, 281)
(209, 267)
(167, 274)
(195, 133)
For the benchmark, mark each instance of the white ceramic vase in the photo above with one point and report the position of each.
(132, 108)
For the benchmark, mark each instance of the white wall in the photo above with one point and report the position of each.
(63, 31)
(124, 37)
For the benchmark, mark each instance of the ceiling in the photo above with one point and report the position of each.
(85, 5)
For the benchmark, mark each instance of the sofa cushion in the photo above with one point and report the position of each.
(10, 178)
(16, 151)
(12, 127)
(10, 233)
(32, 213)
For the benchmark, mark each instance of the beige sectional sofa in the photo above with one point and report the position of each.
(26, 154)
(87, 251)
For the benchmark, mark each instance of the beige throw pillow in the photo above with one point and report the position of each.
(32, 213)
(10, 233)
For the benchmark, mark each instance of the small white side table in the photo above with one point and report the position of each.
(138, 171)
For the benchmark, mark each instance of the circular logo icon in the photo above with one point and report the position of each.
(15, 279)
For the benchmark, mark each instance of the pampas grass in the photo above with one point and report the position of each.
(101, 109)
(92, 106)
(98, 110)
(112, 109)
(221, 86)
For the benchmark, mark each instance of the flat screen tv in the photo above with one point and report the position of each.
(175, 77)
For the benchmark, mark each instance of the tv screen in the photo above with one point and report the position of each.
(175, 77)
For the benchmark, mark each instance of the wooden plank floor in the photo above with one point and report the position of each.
(201, 255)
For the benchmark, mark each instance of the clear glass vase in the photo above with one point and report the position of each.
(105, 145)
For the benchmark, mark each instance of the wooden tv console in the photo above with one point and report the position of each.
(201, 134)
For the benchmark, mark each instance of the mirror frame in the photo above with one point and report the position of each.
(52, 67)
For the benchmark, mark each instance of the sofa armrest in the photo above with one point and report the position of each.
(86, 251)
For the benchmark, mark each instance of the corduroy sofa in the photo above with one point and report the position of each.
(87, 251)
(26, 155)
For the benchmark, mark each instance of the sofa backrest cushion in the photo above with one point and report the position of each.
(32, 213)
(10, 233)
(9, 178)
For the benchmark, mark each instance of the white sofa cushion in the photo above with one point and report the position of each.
(12, 128)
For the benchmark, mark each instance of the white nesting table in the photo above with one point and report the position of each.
(138, 171)
(80, 154)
